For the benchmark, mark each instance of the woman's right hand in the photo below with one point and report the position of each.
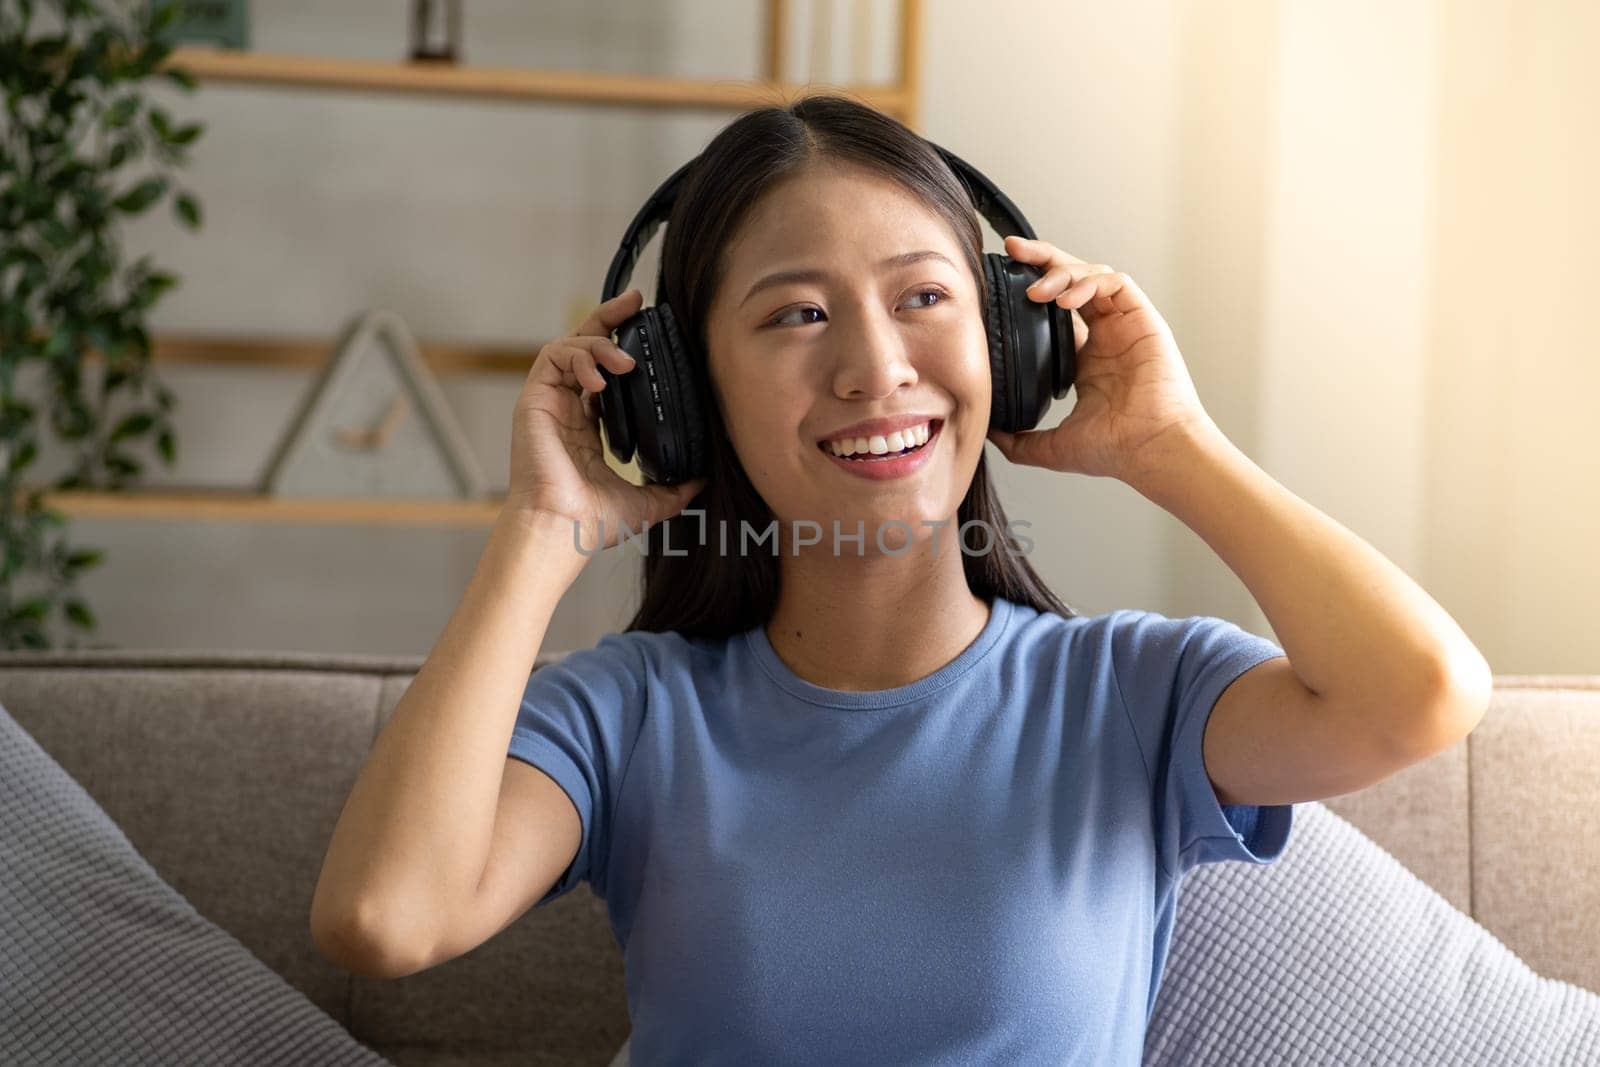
(557, 467)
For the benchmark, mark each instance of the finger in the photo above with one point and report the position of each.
(611, 314)
(1026, 447)
(667, 500)
(575, 359)
(1102, 292)
(1033, 250)
(1058, 279)
(1105, 294)
(584, 371)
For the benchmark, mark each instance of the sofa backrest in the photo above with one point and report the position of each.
(228, 770)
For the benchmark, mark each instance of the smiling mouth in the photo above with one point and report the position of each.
(934, 426)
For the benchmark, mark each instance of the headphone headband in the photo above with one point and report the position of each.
(659, 409)
(993, 205)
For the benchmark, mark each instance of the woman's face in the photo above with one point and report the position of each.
(795, 362)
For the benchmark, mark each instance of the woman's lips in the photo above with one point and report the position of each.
(878, 469)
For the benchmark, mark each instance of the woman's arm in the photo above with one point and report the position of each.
(413, 840)
(1377, 676)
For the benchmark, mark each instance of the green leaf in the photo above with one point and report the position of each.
(78, 614)
(162, 15)
(24, 455)
(133, 425)
(140, 339)
(122, 112)
(47, 48)
(84, 558)
(188, 210)
(182, 78)
(34, 608)
(14, 414)
(16, 559)
(58, 235)
(71, 421)
(141, 196)
(150, 289)
(121, 464)
(185, 134)
(161, 123)
(149, 58)
(167, 446)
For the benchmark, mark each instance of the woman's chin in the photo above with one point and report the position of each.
(887, 527)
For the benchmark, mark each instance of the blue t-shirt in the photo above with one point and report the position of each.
(978, 867)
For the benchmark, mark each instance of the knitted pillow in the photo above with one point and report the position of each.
(103, 962)
(1337, 953)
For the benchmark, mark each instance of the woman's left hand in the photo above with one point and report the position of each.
(1135, 399)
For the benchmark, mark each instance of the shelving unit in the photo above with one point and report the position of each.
(219, 66)
(505, 83)
(313, 352)
(239, 505)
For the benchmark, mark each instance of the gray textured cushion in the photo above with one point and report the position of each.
(1336, 953)
(103, 962)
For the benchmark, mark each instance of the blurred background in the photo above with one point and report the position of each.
(1370, 226)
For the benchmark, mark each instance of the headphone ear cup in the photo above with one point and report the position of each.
(618, 400)
(997, 321)
(688, 456)
(1032, 354)
(654, 409)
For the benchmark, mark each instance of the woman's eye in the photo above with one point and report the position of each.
(931, 291)
(778, 321)
(940, 293)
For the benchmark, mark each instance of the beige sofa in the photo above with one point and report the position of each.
(228, 770)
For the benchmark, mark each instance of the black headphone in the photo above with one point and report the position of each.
(658, 407)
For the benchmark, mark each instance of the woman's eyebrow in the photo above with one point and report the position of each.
(904, 259)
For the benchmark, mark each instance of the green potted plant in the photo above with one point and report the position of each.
(82, 145)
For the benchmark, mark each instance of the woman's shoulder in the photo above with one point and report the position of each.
(1095, 637)
(646, 650)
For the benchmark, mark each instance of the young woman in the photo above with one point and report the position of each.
(880, 799)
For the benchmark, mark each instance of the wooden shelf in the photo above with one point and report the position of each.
(313, 352)
(510, 83)
(223, 505)
(250, 67)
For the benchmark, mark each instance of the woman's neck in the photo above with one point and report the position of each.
(877, 622)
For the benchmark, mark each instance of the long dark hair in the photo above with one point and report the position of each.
(697, 589)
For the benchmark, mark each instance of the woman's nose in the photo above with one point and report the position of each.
(872, 360)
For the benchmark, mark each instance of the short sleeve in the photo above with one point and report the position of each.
(578, 722)
(1170, 673)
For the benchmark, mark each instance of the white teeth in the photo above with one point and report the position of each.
(880, 444)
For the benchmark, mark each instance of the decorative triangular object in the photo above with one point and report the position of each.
(375, 424)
